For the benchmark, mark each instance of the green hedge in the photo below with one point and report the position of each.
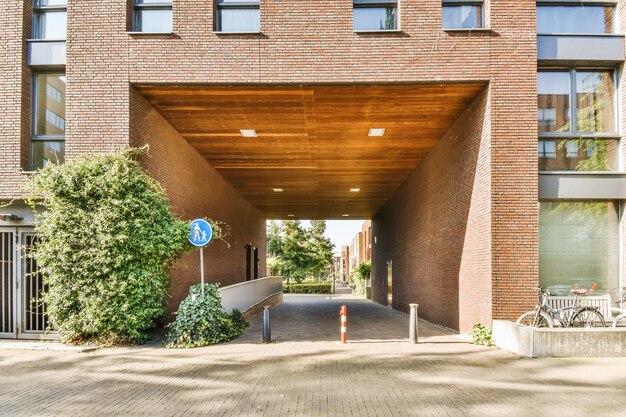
(310, 288)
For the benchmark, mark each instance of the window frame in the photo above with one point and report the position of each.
(238, 5)
(161, 5)
(573, 109)
(573, 105)
(34, 137)
(606, 3)
(453, 3)
(620, 209)
(372, 4)
(39, 10)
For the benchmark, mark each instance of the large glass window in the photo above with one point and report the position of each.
(575, 18)
(154, 16)
(579, 246)
(462, 14)
(49, 120)
(238, 16)
(375, 15)
(50, 19)
(578, 155)
(594, 103)
(553, 101)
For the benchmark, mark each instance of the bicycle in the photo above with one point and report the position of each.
(575, 315)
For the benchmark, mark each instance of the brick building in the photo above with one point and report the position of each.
(422, 116)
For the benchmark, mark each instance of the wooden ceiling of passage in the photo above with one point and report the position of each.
(312, 141)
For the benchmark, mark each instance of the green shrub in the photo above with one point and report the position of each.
(309, 288)
(481, 335)
(201, 321)
(106, 241)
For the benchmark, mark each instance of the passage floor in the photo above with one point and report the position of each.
(307, 372)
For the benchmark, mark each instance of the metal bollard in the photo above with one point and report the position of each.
(413, 327)
(344, 324)
(267, 328)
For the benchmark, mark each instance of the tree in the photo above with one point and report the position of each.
(321, 248)
(299, 253)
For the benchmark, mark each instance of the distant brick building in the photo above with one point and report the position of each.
(482, 138)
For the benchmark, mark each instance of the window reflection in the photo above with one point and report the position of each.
(575, 19)
(553, 101)
(595, 101)
(375, 15)
(462, 17)
(578, 155)
(47, 152)
(578, 246)
(50, 105)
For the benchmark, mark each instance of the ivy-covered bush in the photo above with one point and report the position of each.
(308, 288)
(201, 321)
(106, 241)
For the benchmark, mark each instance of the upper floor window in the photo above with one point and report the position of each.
(575, 18)
(576, 101)
(48, 139)
(153, 16)
(462, 14)
(50, 19)
(238, 16)
(375, 15)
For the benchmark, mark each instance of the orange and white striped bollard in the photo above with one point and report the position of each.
(344, 324)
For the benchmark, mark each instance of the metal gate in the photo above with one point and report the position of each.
(22, 314)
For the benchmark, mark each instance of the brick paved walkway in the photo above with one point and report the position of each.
(307, 373)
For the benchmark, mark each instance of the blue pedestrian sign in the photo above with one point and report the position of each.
(200, 232)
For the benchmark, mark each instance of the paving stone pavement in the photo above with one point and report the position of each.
(306, 372)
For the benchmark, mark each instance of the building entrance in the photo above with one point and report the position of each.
(22, 314)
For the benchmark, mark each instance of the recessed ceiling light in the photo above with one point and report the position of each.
(248, 133)
(345, 215)
(290, 215)
(277, 190)
(378, 131)
(355, 190)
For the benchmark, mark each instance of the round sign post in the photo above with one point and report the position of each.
(200, 234)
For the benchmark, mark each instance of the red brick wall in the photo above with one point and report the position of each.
(196, 190)
(514, 160)
(436, 229)
(303, 42)
(14, 96)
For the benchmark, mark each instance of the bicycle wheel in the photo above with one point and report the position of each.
(528, 319)
(587, 317)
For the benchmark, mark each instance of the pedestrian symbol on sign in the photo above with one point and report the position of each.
(200, 232)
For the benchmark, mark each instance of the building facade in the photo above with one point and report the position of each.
(482, 138)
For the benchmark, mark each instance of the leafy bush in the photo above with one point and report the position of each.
(106, 241)
(201, 321)
(309, 288)
(360, 275)
(481, 335)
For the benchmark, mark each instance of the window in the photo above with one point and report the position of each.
(593, 109)
(375, 15)
(238, 16)
(50, 19)
(547, 149)
(571, 149)
(579, 246)
(462, 14)
(576, 112)
(547, 116)
(564, 155)
(575, 18)
(48, 138)
(153, 16)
